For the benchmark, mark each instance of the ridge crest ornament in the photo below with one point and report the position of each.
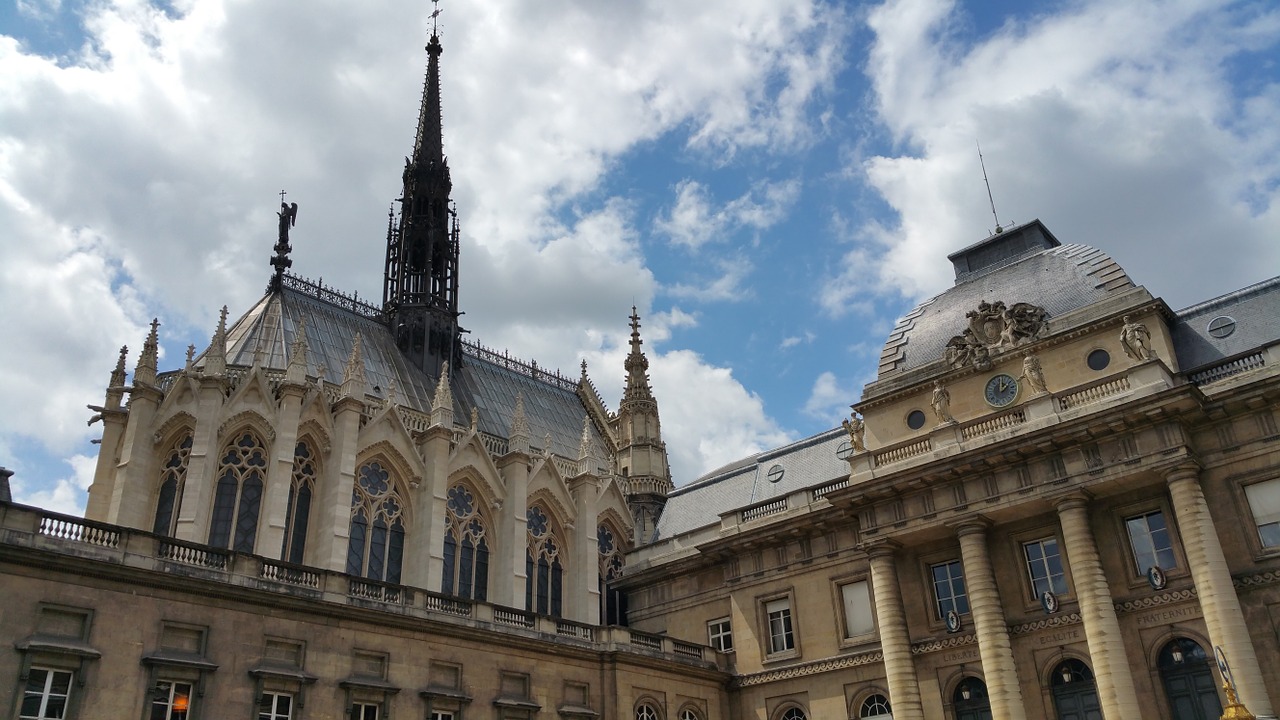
(995, 327)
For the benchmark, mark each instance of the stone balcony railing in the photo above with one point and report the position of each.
(72, 537)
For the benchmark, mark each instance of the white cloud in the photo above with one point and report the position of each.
(66, 495)
(692, 221)
(1115, 123)
(725, 286)
(829, 400)
(792, 341)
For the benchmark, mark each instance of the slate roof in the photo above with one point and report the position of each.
(486, 380)
(810, 462)
(1060, 279)
(1254, 309)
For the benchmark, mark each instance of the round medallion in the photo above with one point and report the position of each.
(1156, 577)
(1049, 602)
(1001, 390)
(953, 621)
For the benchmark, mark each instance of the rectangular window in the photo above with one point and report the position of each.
(171, 700)
(46, 694)
(275, 706)
(1044, 565)
(1149, 538)
(441, 715)
(364, 711)
(948, 588)
(721, 635)
(856, 598)
(1264, 500)
(781, 637)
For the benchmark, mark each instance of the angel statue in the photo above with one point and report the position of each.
(288, 218)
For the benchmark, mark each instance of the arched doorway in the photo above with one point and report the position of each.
(970, 700)
(1188, 681)
(1075, 695)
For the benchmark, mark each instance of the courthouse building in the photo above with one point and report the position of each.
(1057, 498)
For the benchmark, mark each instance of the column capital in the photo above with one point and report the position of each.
(1188, 469)
(978, 524)
(882, 548)
(1072, 501)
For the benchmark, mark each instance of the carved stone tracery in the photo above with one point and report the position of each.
(993, 327)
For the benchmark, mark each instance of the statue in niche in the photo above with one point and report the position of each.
(857, 430)
(941, 403)
(1034, 374)
(1136, 340)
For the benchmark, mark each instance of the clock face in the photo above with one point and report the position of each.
(1001, 390)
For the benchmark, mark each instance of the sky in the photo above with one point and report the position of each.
(772, 183)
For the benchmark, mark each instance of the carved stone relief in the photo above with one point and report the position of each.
(995, 327)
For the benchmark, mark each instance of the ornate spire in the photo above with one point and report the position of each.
(115, 387)
(297, 370)
(420, 288)
(117, 375)
(145, 372)
(215, 358)
(519, 432)
(442, 403)
(353, 373)
(586, 448)
(637, 365)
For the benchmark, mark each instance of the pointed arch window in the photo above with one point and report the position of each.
(173, 478)
(466, 546)
(545, 574)
(302, 484)
(613, 610)
(238, 496)
(376, 548)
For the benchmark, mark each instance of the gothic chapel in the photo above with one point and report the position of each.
(330, 433)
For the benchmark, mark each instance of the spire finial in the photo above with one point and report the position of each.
(117, 375)
(353, 374)
(145, 372)
(519, 431)
(442, 403)
(296, 372)
(636, 364)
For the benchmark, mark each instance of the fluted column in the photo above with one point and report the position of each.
(1218, 600)
(994, 646)
(1116, 690)
(895, 641)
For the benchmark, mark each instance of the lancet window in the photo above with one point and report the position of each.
(613, 601)
(376, 548)
(238, 495)
(543, 570)
(173, 476)
(466, 546)
(302, 485)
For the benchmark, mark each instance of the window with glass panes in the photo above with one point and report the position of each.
(794, 713)
(171, 700)
(1264, 501)
(275, 706)
(948, 588)
(441, 715)
(1044, 566)
(875, 706)
(364, 711)
(720, 633)
(1149, 539)
(856, 599)
(46, 694)
(781, 637)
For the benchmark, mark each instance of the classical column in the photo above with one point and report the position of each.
(1116, 690)
(895, 641)
(988, 621)
(1218, 600)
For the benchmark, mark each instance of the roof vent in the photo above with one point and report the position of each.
(1222, 326)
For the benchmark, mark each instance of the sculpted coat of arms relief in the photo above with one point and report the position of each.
(993, 327)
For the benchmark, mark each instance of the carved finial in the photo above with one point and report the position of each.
(584, 367)
(475, 419)
(584, 445)
(191, 354)
(353, 373)
(117, 375)
(518, 433)
(637, 365)
(145, 371)
(442, 403)
(297, 370)
(393, 393)
(546, 446)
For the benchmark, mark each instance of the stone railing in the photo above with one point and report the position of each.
(902, 452)
(990, 425)
(1225, 370)
(769, 508)
(90, 533)
(189, 563)
(840, 484)
(1093, 393)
